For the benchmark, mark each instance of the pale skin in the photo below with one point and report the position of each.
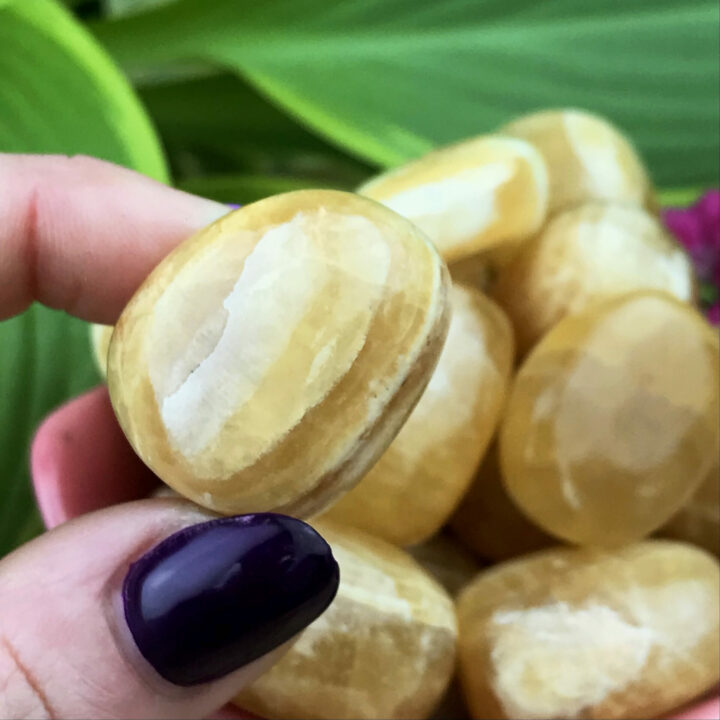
(80, 235)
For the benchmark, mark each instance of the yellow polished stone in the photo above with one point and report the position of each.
(484, 195)
(412, 490)
(585, 255)
(587, 158)
(100, 344)
(580, 633)
(612, 421)
(489, 523)
(698, 521)
(270, 359)
(384, 649)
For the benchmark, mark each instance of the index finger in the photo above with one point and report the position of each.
(80, 234)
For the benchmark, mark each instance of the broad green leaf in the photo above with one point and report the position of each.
(238, 131)
(176, 71)
(388, 79)
(44, 360)
(127, 7)
(59, 92)
(243, 189)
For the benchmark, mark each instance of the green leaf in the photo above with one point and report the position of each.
(44, 360)
(243, 189)
(59, 92)
(127, 7)
(237, 130)
(388, 79)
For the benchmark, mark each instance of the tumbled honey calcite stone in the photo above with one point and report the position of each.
(453, 566)
(385, 648)
(612, 421)
(586, 158)
(580, 633)
(481, 195)
(698, 520)
(100, 344)
(270, 359)
(489, 523)
(584, 255)
(409, 494)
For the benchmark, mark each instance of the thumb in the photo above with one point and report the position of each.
(153, 610)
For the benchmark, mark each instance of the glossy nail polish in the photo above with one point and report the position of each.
(214, 597)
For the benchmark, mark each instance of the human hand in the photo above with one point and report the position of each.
(146, 609)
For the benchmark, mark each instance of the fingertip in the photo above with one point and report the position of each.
(704, 710)
(80, 461)
(232, 712)
(81, 235)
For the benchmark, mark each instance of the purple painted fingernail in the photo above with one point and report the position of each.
(214, 597)
(233, 206)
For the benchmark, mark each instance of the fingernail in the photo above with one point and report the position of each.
(214, 597)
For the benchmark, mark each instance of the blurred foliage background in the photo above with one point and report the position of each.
(240, 99)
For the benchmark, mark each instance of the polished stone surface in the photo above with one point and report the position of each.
(571, 633)
(100, 336)
(414, 487)
(489, 523)
(612, 421)
(586, 255)
(271, 358)
(586, 156)
(698, 520)
(482, 196)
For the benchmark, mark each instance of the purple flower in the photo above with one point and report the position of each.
(698, 229)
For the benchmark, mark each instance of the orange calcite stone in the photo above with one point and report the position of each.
(409, 494)
(489, 523)
(385, 648)
(612, 422)
(580, 633)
